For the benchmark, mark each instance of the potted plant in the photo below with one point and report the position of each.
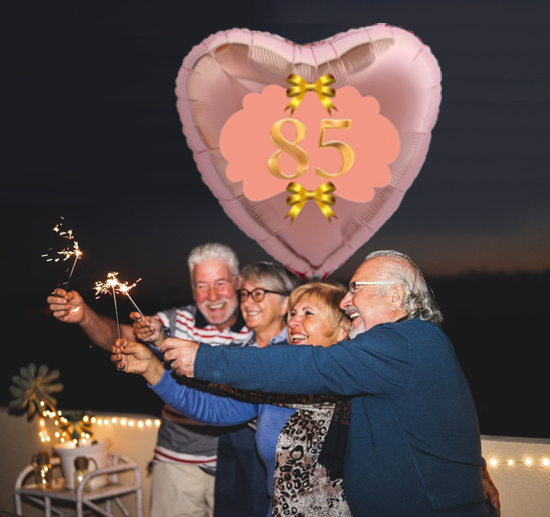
(32, 392)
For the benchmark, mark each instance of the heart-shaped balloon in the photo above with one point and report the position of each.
(384, 63)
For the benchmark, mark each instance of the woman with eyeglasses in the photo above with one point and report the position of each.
(300, 439)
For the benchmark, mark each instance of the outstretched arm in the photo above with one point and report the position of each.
(71, 308)
(199, 402)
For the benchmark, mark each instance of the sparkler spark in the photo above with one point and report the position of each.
(114, 285)
(75, 252)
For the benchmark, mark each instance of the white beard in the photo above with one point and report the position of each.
(354, 332)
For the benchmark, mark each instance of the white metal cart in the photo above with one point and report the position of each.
(84, 501)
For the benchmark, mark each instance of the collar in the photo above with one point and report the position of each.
(280, 337)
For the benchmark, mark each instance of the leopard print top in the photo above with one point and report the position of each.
(301, 485)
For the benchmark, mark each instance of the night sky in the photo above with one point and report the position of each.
(90, 132)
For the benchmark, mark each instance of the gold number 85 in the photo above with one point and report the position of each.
(301, 156)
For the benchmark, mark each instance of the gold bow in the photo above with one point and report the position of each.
(300, 196)
(301, 87)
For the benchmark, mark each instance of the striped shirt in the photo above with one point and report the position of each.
(180, 440)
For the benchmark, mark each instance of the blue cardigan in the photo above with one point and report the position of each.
(414, 447)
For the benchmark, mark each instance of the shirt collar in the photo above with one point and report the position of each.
(280, 337)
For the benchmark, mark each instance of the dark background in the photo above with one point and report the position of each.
(90, 132)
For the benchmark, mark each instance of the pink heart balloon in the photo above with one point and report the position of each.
(387, 63)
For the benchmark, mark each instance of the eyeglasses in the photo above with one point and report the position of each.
(353, 285)
(257, 294)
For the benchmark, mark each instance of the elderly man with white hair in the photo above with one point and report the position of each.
(413, 447)
(185, 456)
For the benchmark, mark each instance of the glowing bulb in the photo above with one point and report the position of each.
(62, 440)
(86, 418)
(59, 413)
(57, 435)
(113, 420)
(157, 422)
(545, 462)
(123, 421)
(99, 422)
(93, 420)
(42, 423)
(147, 422)
(131, 423)
(493, 462)
(42, 439)
(105, 421)
(528, 462)
(510, 462)
(42, 403)
(83, 440)
(75, 441)
(140, 424)
(56, 422)
(47, 438)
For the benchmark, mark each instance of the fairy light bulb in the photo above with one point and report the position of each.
(528, 462)
(545, 462)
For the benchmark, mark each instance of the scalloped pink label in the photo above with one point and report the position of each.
(371, 139)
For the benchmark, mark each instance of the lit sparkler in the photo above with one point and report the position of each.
(114, 285)
(67, 252)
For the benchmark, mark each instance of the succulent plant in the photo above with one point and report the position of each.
(73, 423)
(32, 387)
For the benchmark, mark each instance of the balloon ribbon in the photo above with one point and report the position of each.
(321, 195)
(300, 87)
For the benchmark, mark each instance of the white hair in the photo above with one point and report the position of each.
(213, 251)
(419, 300)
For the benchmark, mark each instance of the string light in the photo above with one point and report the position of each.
(141, 424)
(528, 461)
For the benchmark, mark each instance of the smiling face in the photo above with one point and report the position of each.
(367, 308)
(309, 324)
(265, 318)
(215, 291)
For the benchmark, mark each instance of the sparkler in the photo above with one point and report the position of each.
(114, 285)
(67, 252)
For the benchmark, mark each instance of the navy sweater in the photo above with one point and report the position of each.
(414, 447)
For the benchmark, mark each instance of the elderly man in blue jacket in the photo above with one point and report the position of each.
(413, 447)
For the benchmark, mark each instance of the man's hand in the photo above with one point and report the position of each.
(180, 353)
(148, 329)
(491, 490)
(67, 307)
(133, 357)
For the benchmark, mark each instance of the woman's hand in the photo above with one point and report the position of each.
(133, 357)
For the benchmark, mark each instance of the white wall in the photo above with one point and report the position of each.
(19, 440)
(524, 485)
